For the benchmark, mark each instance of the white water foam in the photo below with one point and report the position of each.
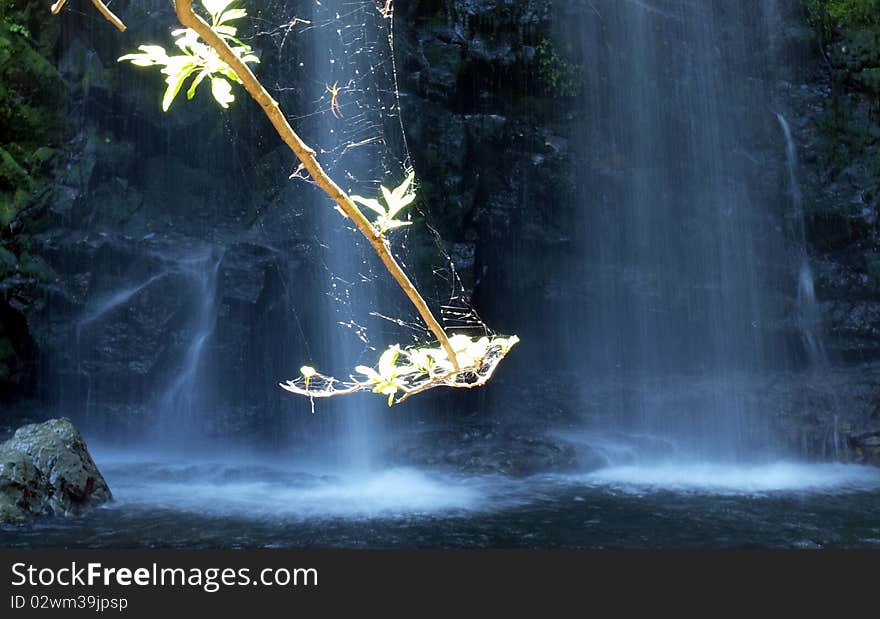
(738, 479)
(260, 491)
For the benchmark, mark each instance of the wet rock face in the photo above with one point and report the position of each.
(836, 125)
(46, 469)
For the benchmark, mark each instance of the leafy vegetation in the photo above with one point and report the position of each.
(404, 372)
(832, 18)
(559, 77)
(30, 90)
(198, 58)
(400, 368)
(395, 201)
(849, 145)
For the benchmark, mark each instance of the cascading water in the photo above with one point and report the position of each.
(680, 235)
(355, 433)
(181, 405)
(809, 318)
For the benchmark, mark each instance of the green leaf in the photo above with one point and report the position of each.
(400, 203)
(387, 362)
(369, 372)
(386, 193)
(400, 190)
(195, 84)
(198, 57)
(227, 31)
(396, 223)
(370, 203)
(215, 7)
(222, 91)
(230, 15)
(174, 82)
(152, 55)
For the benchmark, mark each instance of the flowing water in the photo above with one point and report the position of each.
(681, 234)
(244, 502)
(181, 404)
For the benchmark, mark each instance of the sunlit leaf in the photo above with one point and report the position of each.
(152, 55)
(228, 31)
(384, 224)
(216, 7)
(400, 203)
(222, 91)
(369, 372)
(230, 15)
(400, 190)
(175, 81)
(387, 195)
(387, 362)
(370, 203)
(191, 92)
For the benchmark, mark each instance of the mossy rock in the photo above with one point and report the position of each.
(36, 267)
(12, 175)
(8, 262)
(46, 469)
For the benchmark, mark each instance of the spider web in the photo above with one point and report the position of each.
(331, 65)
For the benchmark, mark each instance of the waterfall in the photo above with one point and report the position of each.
(808, 316)
(809, 320)
(353, 427)
(181, 404)
(678, 231)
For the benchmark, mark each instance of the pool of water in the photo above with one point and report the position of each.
(172, 503)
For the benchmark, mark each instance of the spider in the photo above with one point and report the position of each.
(387, 9)
(335, 109)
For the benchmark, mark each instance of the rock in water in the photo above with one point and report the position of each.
(46, 469)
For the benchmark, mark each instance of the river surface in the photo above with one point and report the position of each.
(164, 502)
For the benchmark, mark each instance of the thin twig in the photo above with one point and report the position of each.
(108, 14)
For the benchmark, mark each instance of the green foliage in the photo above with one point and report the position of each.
(831, 16)
(854, 13)
(395, 201)
(198, 59)
(559, 77)
(12, 20)
(397, 366)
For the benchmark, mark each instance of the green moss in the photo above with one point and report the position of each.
(849, 146)
(834, 15)
(30, 96)
(559, 77)
(36, 267)
(12, 175)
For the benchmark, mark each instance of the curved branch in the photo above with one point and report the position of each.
(108, 15)
(106, 12)
(306, 155)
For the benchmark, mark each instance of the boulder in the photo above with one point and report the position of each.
(46, 469)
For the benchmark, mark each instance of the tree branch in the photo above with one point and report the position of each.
(306, 155)
(107, 13)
